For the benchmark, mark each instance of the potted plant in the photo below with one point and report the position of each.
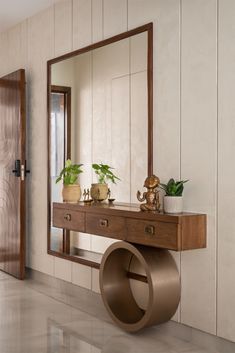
(173, 200)
(69, 174)
(99, 191)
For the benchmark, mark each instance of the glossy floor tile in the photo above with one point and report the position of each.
(31, 322)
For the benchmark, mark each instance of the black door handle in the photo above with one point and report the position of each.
(27, 171)
(19, 169)
(16, 171)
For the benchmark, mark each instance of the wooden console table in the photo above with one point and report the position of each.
(126, 222)
(142, 255)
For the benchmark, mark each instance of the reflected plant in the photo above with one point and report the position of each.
(69, 174)
(104, 173)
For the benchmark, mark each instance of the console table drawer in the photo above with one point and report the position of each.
(158, 234)
(108, 226)
(69, 219)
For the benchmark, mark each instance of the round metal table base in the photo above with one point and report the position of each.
(123, 261)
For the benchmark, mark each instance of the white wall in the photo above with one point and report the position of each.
(194, 129)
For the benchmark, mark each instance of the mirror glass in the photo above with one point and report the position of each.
(99, 114)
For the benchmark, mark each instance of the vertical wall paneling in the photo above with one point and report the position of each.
(82, 26)
(63, 27)
(4, 62)
(63, 269)
(165, 14)
(95, 280)
(17, 46)
(81, 275)
(83, 136)
(97, 20)
(185, 145)
(63, 44)
(199, 157)
(226, 186)
(115, 17)
(40, 49)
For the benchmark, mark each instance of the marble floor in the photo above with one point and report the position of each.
(31, 322)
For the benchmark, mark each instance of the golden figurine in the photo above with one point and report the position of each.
(151, 196)
(110, 200)
(86, 197)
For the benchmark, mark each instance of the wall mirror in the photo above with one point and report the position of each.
(100, 111)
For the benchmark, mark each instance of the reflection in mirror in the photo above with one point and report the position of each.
(99, 114)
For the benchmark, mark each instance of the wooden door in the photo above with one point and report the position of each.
(12, 174)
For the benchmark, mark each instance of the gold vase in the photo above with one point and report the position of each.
(71, 193)
(99, 192)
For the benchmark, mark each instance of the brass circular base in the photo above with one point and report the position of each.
(162, 279)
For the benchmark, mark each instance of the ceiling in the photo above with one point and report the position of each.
(15, 11)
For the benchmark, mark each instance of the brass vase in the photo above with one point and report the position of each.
(71, 193)
(99, 192)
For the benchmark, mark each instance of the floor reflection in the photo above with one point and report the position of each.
(69, 340)
(32, 322)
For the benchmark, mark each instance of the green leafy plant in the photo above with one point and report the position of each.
(69, 174)
(173, 188)
(104, 173)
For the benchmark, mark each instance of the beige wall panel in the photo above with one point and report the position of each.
(80, 240)
(40, 49)
(139, 133)
(107, 64)
(100, 244)
(139, 52)
(17, 47)
(41, 263)
(120, 138)
(83, 118)
(83, 130)
(4, 61)
(63, 269)
(81, 275)
(63, 27)
(97, 20)
(226, 186)
(165, 15)
(82, 27)
(115, 17)
(95, 280)
(199, 157)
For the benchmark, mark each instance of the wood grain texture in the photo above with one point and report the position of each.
(193, 233)
(12, 189)
(106, 225)
(165, 235)
(183, 231)
(69, 219)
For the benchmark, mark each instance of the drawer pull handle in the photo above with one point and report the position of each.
(149, 230)
(104, 223)
(68, 217)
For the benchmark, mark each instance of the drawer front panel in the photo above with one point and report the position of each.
(67, 219)
(108, 226)
(158, 234)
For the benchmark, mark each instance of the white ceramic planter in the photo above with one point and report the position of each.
(173, 204)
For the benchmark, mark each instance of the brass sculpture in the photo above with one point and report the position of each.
(86, 197)
(151, 196)
(110, 200)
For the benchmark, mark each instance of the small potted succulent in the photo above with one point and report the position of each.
(69, 174)
(173, 200)
(99, 191)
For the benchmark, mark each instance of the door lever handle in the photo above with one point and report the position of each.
(17, 170)
(27, 171)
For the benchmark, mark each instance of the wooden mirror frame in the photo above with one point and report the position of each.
(145, 28)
